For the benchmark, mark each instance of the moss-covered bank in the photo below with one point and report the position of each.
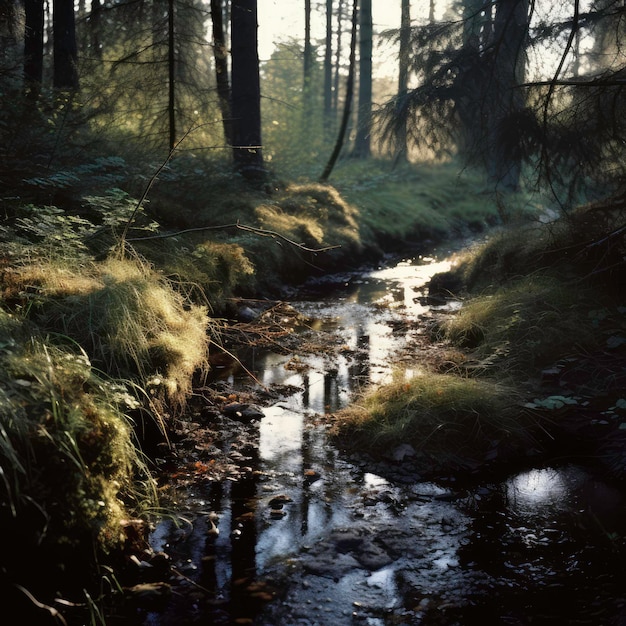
(539, 350)
(113, 303)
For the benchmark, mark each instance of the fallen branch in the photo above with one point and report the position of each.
(250, 229)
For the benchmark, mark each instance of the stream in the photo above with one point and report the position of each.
(306, 535)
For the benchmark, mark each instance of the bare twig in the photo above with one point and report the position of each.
(251, 229)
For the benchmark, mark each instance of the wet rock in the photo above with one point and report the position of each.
(242, 411)
(329, 564)
(402, 452)
(372, 557)
(277, 502)
(310, 476)
(247, 314)
(148, 595)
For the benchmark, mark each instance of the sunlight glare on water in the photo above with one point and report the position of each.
(410, 278)
(529, 492)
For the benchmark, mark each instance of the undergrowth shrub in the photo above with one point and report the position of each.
(128, 318)
(70, 470)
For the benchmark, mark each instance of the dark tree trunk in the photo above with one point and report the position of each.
(246, 91)
(65, 73)
(348, 102)
(403, 81)
(9, 20)
(94, 26)
(507, 98)
(220, 55)
(33, 45)
(328, 71)
(308, 49)
(362, 141)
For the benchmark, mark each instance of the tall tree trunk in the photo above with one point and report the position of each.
(403, 81)
(246, 91)
(475, 81)
(308, 49)
(328, 71)
(9, 20)
(65, 73)
(33, 46)
(348, 101)
(171, 74)
(507, 99)
(338, 52)
(307, 71)
(220, 55)
(95, 25)
(362, 142)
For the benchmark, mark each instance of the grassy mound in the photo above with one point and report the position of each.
(453, 422)
(544, 313)
(71, 471)
(129, 319)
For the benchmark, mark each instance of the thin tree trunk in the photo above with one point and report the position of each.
(307, 71)
(220, 54)
(94, 25)
(33, 46)
(362, 142)
(328, 71)
(403, 81)
(171, 74)
(338, 52)
(348, 102)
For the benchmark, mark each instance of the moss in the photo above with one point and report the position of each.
(70, 465)
(450, 420)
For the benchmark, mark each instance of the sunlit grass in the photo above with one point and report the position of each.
(421, 199)
(445, 417)
(69, 462)
(525, 325)
(129, 319)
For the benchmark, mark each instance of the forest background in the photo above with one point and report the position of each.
(154, 170)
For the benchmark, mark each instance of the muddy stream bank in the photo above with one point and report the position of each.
(286, 530)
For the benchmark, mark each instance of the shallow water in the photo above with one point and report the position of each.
(308, 536)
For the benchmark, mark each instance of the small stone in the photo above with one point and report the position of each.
(402, 452)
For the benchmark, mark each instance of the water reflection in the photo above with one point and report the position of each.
(412, 552)
(537, 491)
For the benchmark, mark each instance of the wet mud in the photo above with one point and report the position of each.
(277, 527)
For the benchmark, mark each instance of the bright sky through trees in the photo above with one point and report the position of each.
(280, 20)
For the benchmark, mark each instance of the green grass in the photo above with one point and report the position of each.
(128, 318)
(417, 200)
(518, 329)
(71, 471)
(451, 421)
